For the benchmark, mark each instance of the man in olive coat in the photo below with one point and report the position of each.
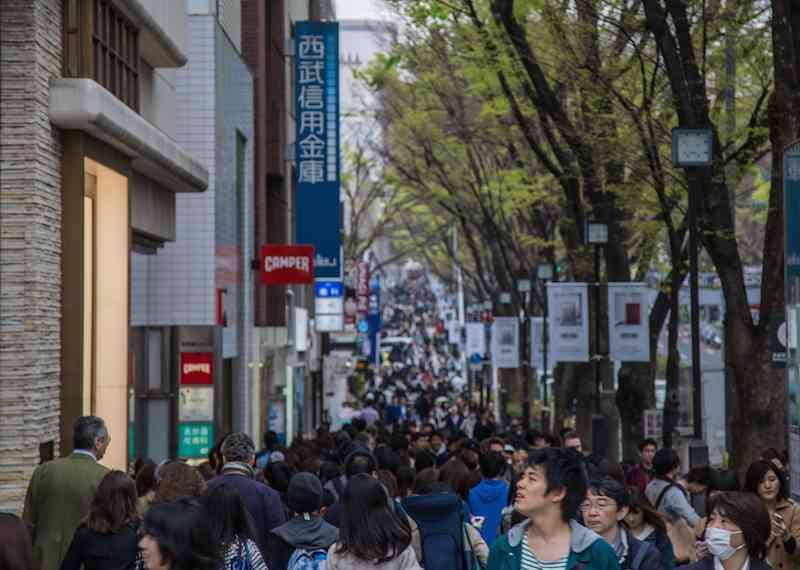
(61, 491)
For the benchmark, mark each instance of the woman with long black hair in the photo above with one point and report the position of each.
(647, 525)
(177, 535)
(232, 529)
(371, 534)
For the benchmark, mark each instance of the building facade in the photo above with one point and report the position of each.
(192, 299)
(90, 83)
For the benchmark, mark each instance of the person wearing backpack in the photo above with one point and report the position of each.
(549, 494)
(489, 497)
(232, 529)
(303, 542)
(606, 505)
(372, 536)
(667, 496)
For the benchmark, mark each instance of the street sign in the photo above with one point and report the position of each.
(195, 439)
(778, 340)
(363, 326)
(329, 323)
(475, 358)
(329, 298)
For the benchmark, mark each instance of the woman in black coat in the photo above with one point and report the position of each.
(107, 539)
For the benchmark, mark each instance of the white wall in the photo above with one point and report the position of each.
(171, 16)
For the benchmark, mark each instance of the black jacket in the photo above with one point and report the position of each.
(708, 564)
(650, 560)
(96, 551)
(312, 534)
(262, 502)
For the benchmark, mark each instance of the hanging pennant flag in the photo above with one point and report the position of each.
(568, 322)
(628, 322)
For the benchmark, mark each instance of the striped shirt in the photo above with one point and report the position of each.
(530, 562)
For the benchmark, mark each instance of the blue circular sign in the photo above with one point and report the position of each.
(363, 326)
(475, 358)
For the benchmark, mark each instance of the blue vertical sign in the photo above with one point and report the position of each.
(317, 145)
(791, 217)
(374, 317)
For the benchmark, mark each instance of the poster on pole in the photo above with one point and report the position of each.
(476, 339)
(628, 323)
(537, 345)
(568, 322)
(505, 342)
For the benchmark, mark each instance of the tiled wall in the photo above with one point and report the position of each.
(176, 286)
(30, 248)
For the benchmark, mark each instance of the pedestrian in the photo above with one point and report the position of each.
(306, 536)
(767, 480)
(358, 462)
(439, 448)
(271, 443)
(177, 535)
(369, 414)
(572, 441)
(176, 479)
(263, 503)
(647, 525)
(107, 538)
(604, 510)
(641, 474)
(488, 499)
(736, 535)
(145, 486)
(666, 495)
(232, 529)
(371, 535)
(60, 492)
(549, 495)
(16, 551)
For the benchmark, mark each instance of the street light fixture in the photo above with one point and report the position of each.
(544, 271)
(505, 298)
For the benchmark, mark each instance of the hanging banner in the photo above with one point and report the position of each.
(628, 323)
(505, 342)
(317, 145)
(537, 345)
(568, 322)
(476, 339)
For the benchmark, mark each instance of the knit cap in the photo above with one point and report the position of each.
(305, 493)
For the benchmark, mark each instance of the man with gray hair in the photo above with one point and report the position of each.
(61, 491)
(263, 503)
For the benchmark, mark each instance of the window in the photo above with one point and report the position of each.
(102, 44)
(115, 53)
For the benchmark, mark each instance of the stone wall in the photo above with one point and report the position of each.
(30, 241)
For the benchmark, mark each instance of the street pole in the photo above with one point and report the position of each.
(694, 293)
(526, 383)
(597, 327)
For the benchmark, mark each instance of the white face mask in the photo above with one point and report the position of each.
(719, 542)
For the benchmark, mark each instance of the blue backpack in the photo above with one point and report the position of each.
(308, 560)
(439, 517)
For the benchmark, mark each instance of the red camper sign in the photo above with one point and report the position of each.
(287, 264)
(196, 368)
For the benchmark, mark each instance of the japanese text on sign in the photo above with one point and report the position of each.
(317, 153)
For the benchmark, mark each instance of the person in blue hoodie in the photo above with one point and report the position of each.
(489, 497)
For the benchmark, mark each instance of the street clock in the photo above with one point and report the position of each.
(692, 147)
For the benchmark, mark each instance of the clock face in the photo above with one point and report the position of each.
(693, 148)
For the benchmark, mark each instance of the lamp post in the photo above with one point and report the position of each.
(544, 272)
(693, 150)
(597, 235)
(524, 287)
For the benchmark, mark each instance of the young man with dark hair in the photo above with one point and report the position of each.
(607, 503)
(572, 441)
(488, 499)
(549, 494)
(664, 492)
(642, 473)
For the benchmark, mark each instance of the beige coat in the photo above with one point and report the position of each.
(777, 556)
(406, 561)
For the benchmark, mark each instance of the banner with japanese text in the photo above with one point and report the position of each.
(569, 322)
(628, 322)
(317, 143)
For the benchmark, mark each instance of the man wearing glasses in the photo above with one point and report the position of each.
(606, 505)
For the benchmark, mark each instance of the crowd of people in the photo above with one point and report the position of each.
(412, 475)
(369, 498)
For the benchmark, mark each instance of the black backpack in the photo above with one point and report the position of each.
(439, 517)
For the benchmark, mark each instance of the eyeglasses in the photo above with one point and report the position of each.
(601, 505)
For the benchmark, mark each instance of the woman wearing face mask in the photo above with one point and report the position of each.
(736, 534)
(767, 481)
